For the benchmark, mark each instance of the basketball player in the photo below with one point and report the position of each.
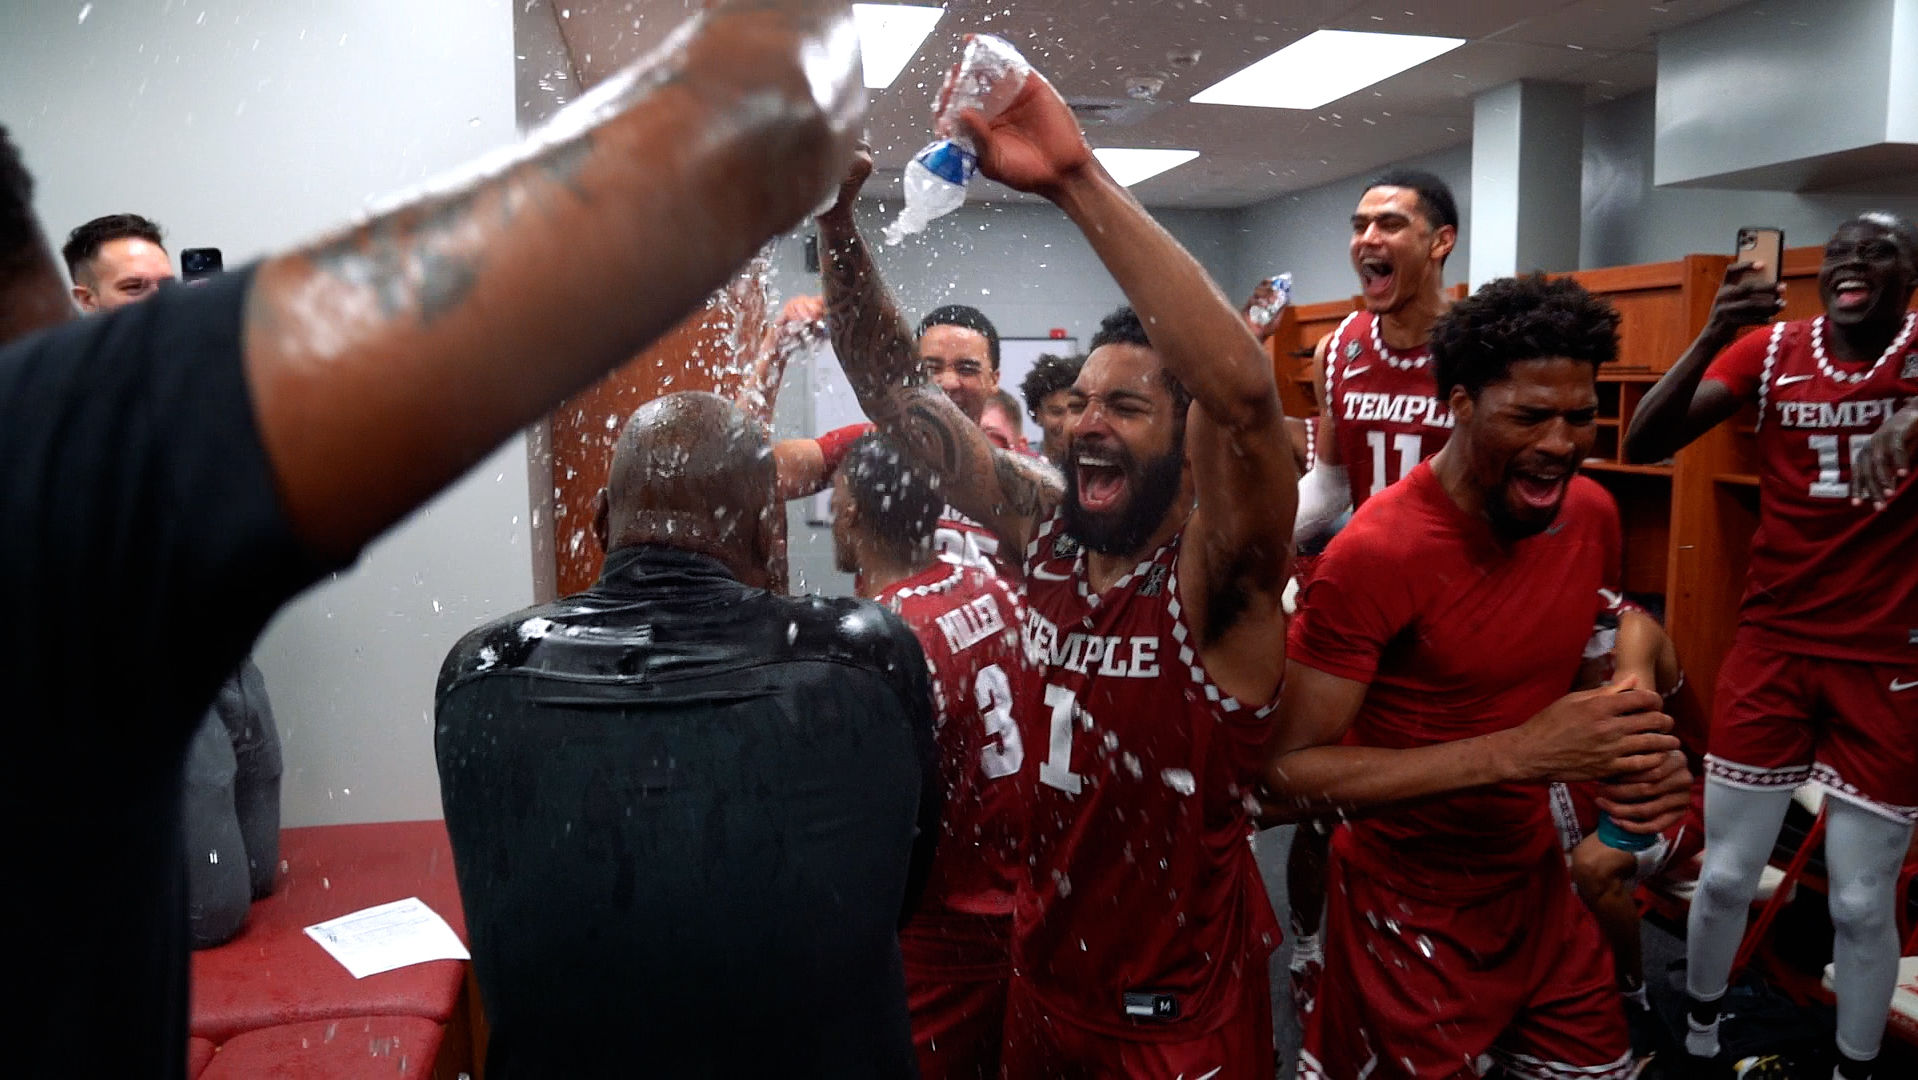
(1441, 629)
(1153, 589)
(1820, 678)
(1381, 415)
(957, 944)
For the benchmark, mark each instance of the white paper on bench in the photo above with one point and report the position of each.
(388, 936)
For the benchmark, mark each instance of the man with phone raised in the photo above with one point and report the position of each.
(1821, 681)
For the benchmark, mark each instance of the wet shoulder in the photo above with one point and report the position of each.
(846, 630)
(506, 642)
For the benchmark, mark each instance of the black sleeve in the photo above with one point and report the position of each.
(912, 681)
(143, 524)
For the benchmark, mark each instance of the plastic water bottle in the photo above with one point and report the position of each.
(989, 75)
(935, 180)
(1612, 836)
(1262, 314)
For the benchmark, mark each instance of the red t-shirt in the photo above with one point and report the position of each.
(1826, 578)
(1138, 773)
(1456, 634)
(1387, 414)
(969, 623)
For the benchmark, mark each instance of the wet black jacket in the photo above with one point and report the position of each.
(682, 814)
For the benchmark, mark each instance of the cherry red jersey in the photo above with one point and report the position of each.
(1456, 633)
(1826, 578)
(962, 541)
(969, 623)
(1387, 414)
(1142, 878)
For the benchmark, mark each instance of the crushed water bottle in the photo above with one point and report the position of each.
(1265, 308)
(990, 73)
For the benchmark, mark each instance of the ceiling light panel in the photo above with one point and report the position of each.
(889, 35)
(1130, 166)
(1323, 67)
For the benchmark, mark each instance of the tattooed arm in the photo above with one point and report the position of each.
(1008, 493)
(386, 360)
(1238, 541)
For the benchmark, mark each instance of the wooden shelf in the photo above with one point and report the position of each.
(1621, 467)
(1631, 375)
(1607, 421)
(1736, 479)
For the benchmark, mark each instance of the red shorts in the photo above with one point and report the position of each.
(1039, 1044)
(1438, 989)
(1784, 718)
(956, 991)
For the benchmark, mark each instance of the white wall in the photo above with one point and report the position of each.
(1308, 233)
(247, 125)
(1627, 220)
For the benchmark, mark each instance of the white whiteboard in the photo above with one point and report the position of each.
(835, 406)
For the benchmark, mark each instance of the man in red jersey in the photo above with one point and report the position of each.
(1380, 416)
(1153, 588)
(1821, 681)
(1441, 629)
(957, 941)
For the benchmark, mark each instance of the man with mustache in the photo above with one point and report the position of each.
(1441, 629)
(1153, 585)
(1821, 681)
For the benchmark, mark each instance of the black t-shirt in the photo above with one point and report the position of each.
(682, 812)
(142, 548)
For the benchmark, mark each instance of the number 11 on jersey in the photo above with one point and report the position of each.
(1408, 448)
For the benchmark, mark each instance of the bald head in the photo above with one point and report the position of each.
(691, 471)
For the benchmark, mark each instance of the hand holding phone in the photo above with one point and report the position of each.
(199, 263)
(1751, 294)
(1764, 246)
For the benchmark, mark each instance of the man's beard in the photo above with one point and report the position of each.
(1152, 491)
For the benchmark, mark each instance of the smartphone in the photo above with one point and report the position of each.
(1761, 243)
(197, 263)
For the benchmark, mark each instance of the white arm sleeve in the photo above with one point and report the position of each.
(1324, 494)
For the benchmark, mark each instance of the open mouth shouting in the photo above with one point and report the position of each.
(1102, 480)
(1536, 490)
(1376, 277)
(1851, 293)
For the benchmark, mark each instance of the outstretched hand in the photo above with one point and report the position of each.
(1035, 145)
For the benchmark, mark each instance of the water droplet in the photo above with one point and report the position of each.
(85, 10)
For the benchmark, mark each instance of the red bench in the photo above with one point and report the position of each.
(272, 1003)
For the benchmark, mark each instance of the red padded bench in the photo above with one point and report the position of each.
(272, 1003)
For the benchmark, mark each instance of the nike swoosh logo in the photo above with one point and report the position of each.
(1047, 575)
(1787, 380)
(1210, 1075)
(1349, 373)
(1901, 685)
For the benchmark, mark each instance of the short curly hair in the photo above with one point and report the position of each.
(20, 243)
(1049, 375)
(895, 497)
(1124, 327)
(1512, 320)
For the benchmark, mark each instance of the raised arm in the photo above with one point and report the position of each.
(1237, 545)
(386, 360)
(1680, 406)
(1008, 493)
